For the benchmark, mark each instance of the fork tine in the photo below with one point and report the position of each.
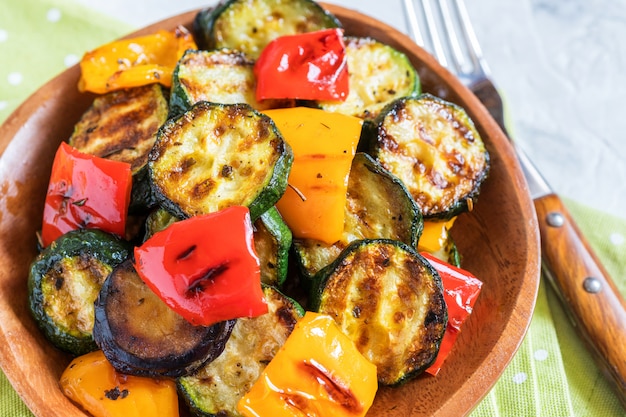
(432, 24)
(446, 31)
(451, 26)
(474, 51)
(414, 25)
(424, 28)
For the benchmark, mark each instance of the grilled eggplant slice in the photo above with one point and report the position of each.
(64, 282)
(272, 241)
(378, 206)
(434, 148)
(215, 389)
(219, 76)
(249, 25)
(140, 335)
(379, 74)
(122, 125)
(389, 300)
(219, 155)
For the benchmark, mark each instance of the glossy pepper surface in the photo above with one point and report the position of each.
(85, 192)
(317, 372)
(324, 145)
(435, 235)
(92, 383)
(134, 62)
(205, 267)
(460, 292)
(307, 66)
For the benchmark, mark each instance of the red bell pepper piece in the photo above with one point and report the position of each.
(461, 290)
(85, 191)
(308, 66)
(205, 267)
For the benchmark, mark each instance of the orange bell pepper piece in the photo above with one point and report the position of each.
(92, 383)
(435, 235)
(324, 145)
(134, 62)
(317, 372)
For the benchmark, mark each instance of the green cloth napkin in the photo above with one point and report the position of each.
(552, 375)
(40, 38)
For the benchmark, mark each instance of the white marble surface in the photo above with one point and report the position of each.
(561, 64)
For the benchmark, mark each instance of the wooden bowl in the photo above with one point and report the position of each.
(498, 241)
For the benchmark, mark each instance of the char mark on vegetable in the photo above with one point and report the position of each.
(207, 278)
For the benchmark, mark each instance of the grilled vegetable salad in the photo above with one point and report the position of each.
(261, 225)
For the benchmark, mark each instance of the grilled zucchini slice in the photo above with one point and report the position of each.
(122, 126)
(272, 241)
(389, 300)
(434, 148)
(157, 220)
(63, 284)
(379, 74)
(378, 206)
(249, 25)
(140, 335)
(215, 389)
(220, 76)
(219, 155)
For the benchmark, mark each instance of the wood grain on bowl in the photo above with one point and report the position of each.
(498, 241)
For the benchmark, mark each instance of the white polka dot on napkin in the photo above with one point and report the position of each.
(53, 15)
(617, 239)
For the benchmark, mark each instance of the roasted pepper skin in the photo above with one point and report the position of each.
(85, 192)
(205, 267)
(306, 66)
(93, 384)
(317, 372)
(134, 62)
(460, 292)
(323, 145)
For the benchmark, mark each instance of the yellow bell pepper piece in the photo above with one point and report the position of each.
(317, 372)
(435, 235)
(92, 383)
(323, 145)
(134, 62)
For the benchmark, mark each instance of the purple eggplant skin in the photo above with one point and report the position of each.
(140, 335)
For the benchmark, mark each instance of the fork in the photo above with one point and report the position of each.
(587, 292)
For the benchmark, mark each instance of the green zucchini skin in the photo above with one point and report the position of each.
(219, 155)
(434, 148)
(122, 126)
(379, 74)
(140, 335)
(249, 25)
(389, 300)
(272, 242)
(220, 76)
(215, 389)
(378, 206)
(157, 220)
(63, 284)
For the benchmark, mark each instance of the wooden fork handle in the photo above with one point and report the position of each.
(594, 303)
